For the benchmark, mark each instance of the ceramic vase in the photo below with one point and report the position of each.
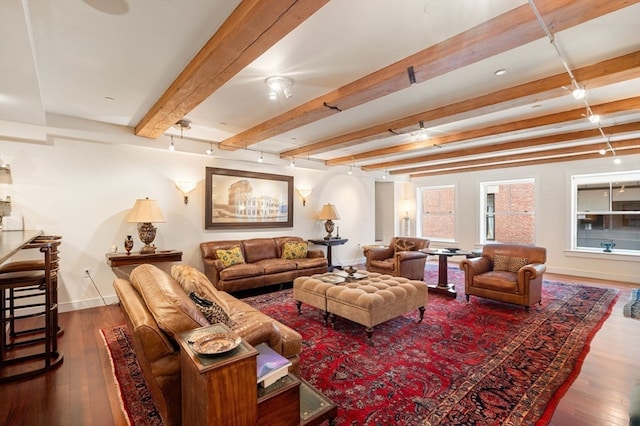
(128, 244)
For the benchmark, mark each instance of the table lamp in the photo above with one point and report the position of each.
(328, 213)
(144, 212)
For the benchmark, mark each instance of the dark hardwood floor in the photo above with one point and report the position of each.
(81, 391)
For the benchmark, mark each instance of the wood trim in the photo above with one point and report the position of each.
(623, 148)
(252, 28)
(505, 32)
(495, 148)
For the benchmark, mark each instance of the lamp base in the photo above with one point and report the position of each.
(328, 226)
(147, 249)
(147, 233)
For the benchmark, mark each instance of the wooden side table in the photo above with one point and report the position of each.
(315, 408)
(116, 260)
(279, 404)
(330, 242)
(221, 389)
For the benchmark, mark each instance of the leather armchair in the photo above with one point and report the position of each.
(509, 273)
(400, 259)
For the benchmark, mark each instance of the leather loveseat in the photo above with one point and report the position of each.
(157, 307)
(235, 265)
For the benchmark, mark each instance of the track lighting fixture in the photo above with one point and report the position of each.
(578, 92)
(172, 147)
(210, 150)
(350, 170)
(293, 162)
(261, 159)
(279, 85)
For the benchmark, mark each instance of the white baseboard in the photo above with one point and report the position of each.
(602, 275)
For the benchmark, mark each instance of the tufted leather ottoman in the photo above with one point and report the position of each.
(369, 301)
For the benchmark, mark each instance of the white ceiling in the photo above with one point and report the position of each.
(111, 60)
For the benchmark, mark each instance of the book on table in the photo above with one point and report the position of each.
(271, 365)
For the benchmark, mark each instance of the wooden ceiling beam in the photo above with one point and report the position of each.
(251, 29)
(553, 152)
(630, 147)
(510, 30)
(487, 149)
(530, 123)
(596, 75)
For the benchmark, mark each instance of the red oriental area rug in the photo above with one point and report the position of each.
(480, 363)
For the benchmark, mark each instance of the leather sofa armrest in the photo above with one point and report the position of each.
(261, 332)
(410, 255)
(315, 253)
(531, 271)
(379, 253)
(475, 266)
(212, 268)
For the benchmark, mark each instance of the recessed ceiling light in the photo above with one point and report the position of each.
(501, 71)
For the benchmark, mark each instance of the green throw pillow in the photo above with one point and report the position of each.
(294, 250)
(233, 256)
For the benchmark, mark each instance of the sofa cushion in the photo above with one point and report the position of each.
(506, 263)
(405, 245)
(170, 306)
(232, 256)
(311, 262)
(386, 264)
(213, 311)
(273, 266)
(257, 249)
(294, 250)
(504, 281)
(192, 280)
(244, 270)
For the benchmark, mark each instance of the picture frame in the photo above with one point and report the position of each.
(236, 199)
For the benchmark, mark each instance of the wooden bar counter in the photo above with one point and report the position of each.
(12, 241)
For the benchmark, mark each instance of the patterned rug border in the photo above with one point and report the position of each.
(116, 382)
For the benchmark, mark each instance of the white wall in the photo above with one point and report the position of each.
(553, 214)
(83, 190)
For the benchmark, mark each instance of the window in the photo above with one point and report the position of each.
(606, 208)
(437, 212)
(508, 212)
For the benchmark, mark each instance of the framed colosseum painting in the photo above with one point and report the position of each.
(238, 199)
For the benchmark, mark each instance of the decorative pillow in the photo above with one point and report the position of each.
(511, 264)
(192, 280)
(515, 263)
(233, 256)
(211, 309)
(404, 245)
(500, 262)
(294, 250)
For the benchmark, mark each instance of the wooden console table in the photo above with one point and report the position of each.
(123, 259)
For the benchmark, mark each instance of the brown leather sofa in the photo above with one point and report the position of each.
(400, 258)
(157, 308)
(506, 272)
(262, 263)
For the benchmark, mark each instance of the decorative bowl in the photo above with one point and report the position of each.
(350, 270)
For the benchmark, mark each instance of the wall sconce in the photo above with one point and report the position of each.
(186, 186)
(304, 193)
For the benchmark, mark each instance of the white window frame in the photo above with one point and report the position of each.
(419, 211)
(484, 187)
(595, 178)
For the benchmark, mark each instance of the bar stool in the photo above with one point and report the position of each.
(18, 294)
(24, 280)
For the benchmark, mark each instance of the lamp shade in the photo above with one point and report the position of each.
(145, 211)
(329, 212)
